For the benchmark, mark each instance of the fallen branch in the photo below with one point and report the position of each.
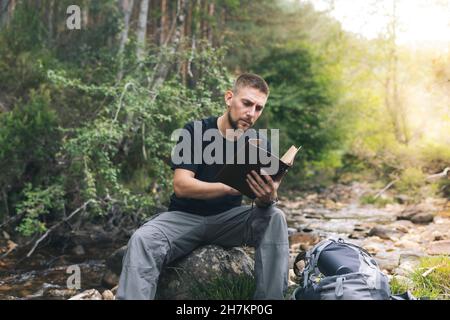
(385, 188)
(11, 220)
(443, 174)
(430, 270)
(57, 225)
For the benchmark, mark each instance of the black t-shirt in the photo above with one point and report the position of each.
(207, 172)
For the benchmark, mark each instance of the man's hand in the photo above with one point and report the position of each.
(264, 187)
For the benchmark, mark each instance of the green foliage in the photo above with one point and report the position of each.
(411, 182)
(26, 32)
(29, 140)
(398, 286)
(104, 140)
(225, 288)
(68, 118)
(36, 205)
(379, 202)
(300, 99)
(430, 279)
(132, 133)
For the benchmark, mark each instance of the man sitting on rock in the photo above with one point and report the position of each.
(204, 211)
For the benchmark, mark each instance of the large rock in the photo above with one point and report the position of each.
(382, 232)
(439, 247)
(422, 213)
(90, 294)
(387, 261)
(203, 268)
(422, 217)
(305, 238)
(408, 262)
(403, 226)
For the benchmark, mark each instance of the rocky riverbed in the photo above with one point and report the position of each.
(397, 235)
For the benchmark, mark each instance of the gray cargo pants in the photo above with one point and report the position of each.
(173, 234)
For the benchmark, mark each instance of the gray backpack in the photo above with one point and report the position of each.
(339, 270)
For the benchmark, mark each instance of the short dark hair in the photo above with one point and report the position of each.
(251, 80)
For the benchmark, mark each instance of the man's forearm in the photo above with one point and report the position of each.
(197, 189)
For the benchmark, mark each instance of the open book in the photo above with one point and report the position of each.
(235, 174)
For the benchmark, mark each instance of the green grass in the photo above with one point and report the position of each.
(435, 285)
(235, 288)
(378, 202)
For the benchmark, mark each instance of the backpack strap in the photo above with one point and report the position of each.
(318, 251)
(339, 291)
(312, 257)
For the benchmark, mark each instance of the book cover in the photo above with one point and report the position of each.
(234, 174)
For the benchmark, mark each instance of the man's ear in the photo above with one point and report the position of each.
(228, 97)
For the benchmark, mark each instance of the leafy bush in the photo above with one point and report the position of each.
(102, 140)
(379, 201)
(301, 100)
(29, 141)
(36, 205)
(124, 152)
(411, 181)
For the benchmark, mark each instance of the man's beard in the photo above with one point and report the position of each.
(234, 124)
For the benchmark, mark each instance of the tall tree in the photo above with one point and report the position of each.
(7, 8)
(164, 22)
(50, 15)
(127, 9)
(141, 31)
(393, 103)
(209, 30)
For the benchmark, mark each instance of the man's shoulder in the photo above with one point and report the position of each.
(205, 123)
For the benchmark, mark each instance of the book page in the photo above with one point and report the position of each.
(289, 156)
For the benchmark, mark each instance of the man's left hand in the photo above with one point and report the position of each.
(264, 187)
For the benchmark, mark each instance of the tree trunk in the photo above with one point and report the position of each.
(163, 29)
(127, 9)
(393, 102)
(50, 20)
(163, 65)
(5, 202)
(203, 22)
(6, 11)
(151, 30)
(209, 26)
(222, 24)
(161, 70)
(142, 30)
(186, 72)
(85, 13)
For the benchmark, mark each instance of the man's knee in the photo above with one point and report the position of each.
(278, 220)
(277, 212)
(269, 224)
(277, 216)
(149, 241)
